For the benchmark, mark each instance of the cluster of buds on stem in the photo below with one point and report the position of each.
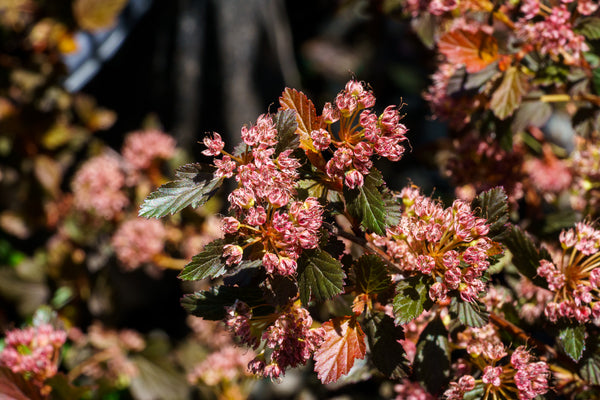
(448, 244)
(33, 352)
(575, 278)
(357, 141)
(265, 213)
(283, 340)
(520, 378)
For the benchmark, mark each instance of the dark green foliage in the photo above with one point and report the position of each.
(572, 341)
(366, 203)
(432, 361)
(470, 314)
(493, 206)
(412, 298)
(193, 187)
(526, 256)
(209, 264)
(285, 123)
(371, 274)
(210, 304)
(387, 354)
(319, 276)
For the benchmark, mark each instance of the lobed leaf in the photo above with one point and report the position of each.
(476, 50)
(319, 275)
(387, 353)
(393, 209)
(590, 28)
(590, 368)
(371, 274)
(470, 314)
(306, 115)
(432, 360)
(525, 255)
(531, 113)
(493, 206)
(15, 387)
(193, 188)
(572, 341)
(209, 264)
(507, 96)
(412, 298)
(286, 125)
(367, 205)
(210, 304)
(344, 343)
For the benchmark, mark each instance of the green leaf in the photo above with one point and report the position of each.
(424, 27)
(590, 28)
(209, 264)
(319, 276)
(493, 206)
(393, 209)
(62, 389)
(470, 314)
(210, 304)
(412, 298)
(432, 360)
(193, 188)
(507, 96)
(158, 379)
(590, 368)
(366, 203)
(525, 255)
(596, 80)
(572, 341)
(371, 274)
(286, 125)
(387, 353)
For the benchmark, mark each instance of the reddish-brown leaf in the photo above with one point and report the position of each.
(344, 343)
(14, 387)
(507, 97)
(476, 50)
(306, 115)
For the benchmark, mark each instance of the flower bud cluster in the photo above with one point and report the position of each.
(575, 278)
(138, 240)
(289, 339)
(448, 244)
(358, 142)
(141, 148)
(33, 351)
(225, 365)
(263, 205)
(520, 378)
(98, 186)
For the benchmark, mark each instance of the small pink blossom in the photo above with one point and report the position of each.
(137, 241)
(141, 148)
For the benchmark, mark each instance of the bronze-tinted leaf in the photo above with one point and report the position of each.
(476, 50)
(344, 343)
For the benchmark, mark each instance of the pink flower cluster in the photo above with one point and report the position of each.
(98, 186)
(138, 240)
(554, 35)
(522, 378)
(575, 279)
(33, 351)
(449, 245)
(290, 339)
(140, 149)
(408, 390)
(373, 135)
(225, 365)
(263, 204)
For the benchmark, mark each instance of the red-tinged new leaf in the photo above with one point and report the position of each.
(306, 115)
(344, 343)
(507, 97)
(476, 50)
